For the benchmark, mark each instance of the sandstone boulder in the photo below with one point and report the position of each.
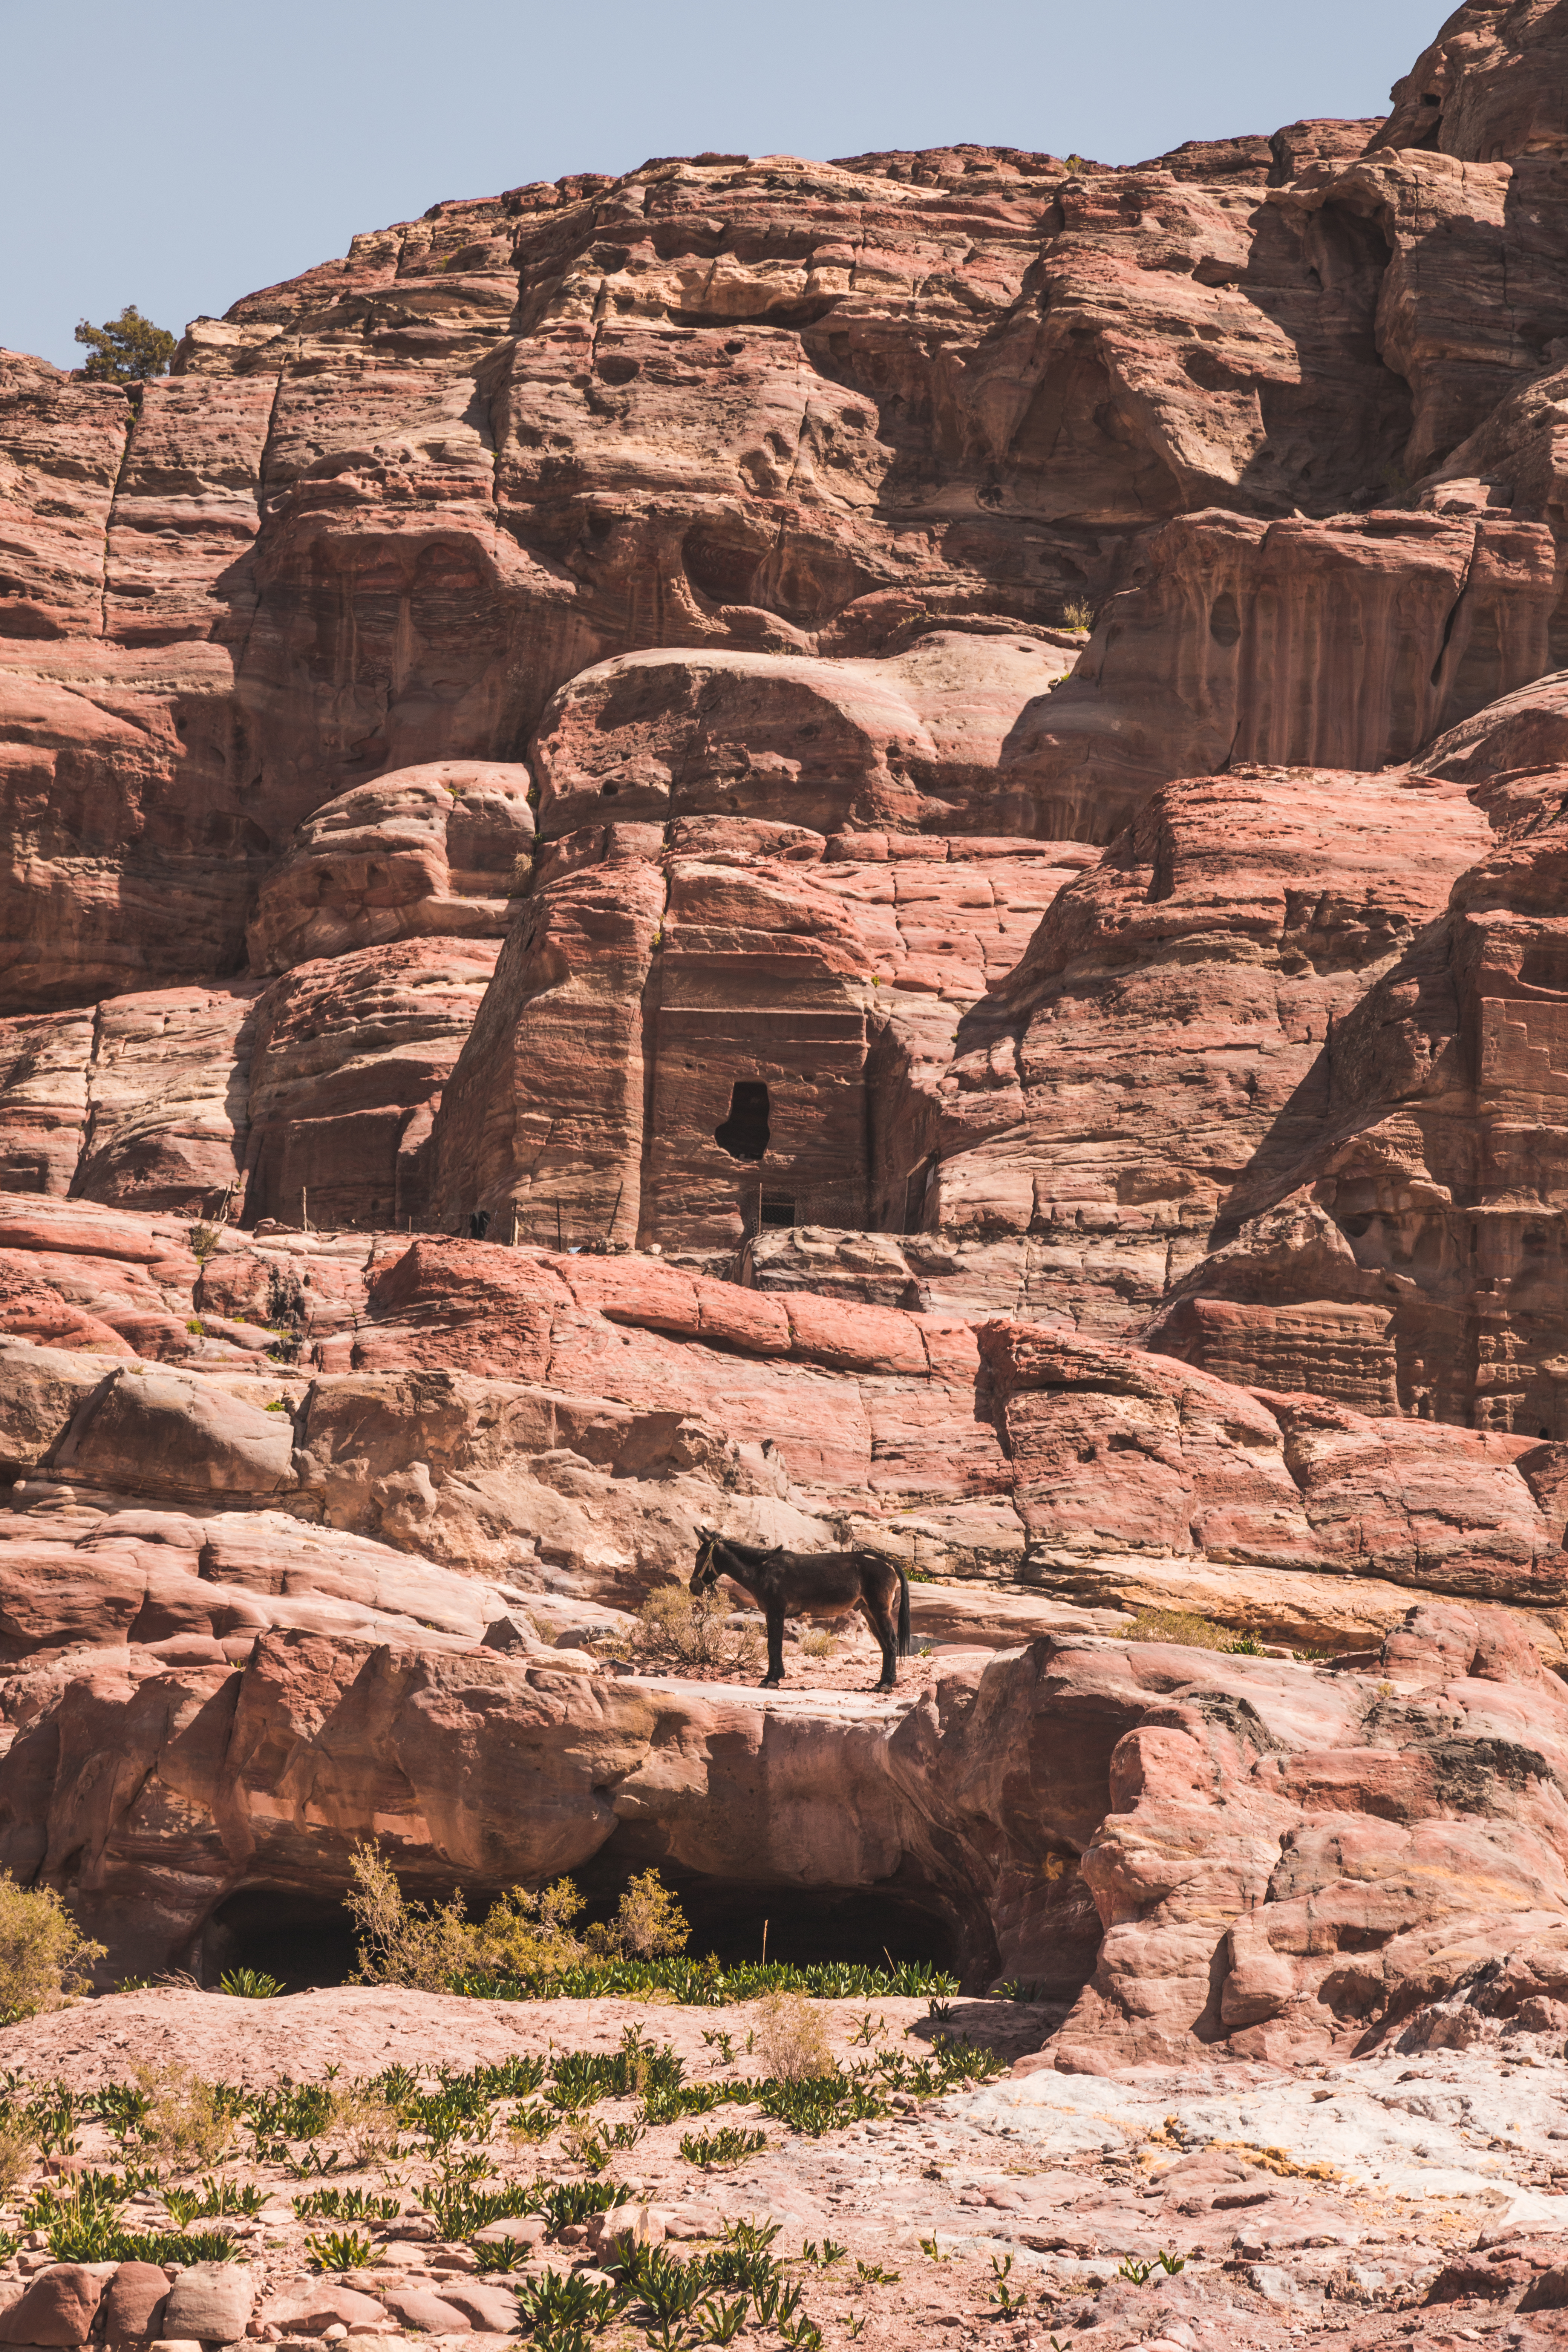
(56, 2308)
(210, 2302)
(134, 2306)
(426, 852)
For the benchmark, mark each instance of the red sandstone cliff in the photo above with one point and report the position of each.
(558, 786)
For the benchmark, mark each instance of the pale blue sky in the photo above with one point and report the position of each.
(178, 153)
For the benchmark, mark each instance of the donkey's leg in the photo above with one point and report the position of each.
(880, 1618)
(774, 1674)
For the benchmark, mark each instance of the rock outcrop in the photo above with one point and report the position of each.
(869, 852)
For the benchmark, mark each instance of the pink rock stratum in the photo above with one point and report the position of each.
(871, 853)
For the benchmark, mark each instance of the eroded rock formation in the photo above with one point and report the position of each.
(867, 851)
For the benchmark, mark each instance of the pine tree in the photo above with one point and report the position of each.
(127, 350)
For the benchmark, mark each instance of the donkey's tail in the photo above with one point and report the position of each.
(905, 1645)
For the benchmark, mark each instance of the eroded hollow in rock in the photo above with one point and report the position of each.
(811, 1925)
(304, 1940)
(744, 1135)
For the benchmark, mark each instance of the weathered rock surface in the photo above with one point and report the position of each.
(592, 944)
(428, 852)
(1167, 1844)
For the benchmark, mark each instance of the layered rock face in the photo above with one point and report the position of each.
(865, 852)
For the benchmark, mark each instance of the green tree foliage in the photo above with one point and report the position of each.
(127, 350)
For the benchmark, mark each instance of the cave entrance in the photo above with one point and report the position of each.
(305, 1940)
(807, 1925)
(744, 1135)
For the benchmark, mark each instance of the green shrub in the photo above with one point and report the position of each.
(435, 1946)
(127, 350)
(648, 1925)
(44, 1955)
(712, 2151)
(343, 2250)
(345, 2205)
(250, 1984)
(704, 1984)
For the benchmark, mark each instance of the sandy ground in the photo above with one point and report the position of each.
(364, 2028)
(1291, 2208)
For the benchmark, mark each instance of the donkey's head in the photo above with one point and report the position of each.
(707, 1572)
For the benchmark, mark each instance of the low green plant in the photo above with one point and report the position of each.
(561, 2203)
(713, 2150)
(560, 2304)
(705, 1984)
(85, 2227)
(1006, 2298)
(343, 2250)
(823, 2256)
(214, 2198)
(250, 1984)
(722, 2322)
(873, 2275)
(1140, 2273)
(345, 2205)
(814, 2104)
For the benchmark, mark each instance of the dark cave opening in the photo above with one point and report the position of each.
(864, 1926)
(304, 1940)
(745, 1134)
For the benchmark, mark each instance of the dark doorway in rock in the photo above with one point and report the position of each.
(744, 1134)
(807, 1925)
(478, 1224)
(775, 1210)
(302, 1939)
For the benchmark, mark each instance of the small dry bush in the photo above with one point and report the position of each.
(18, 2152)
(186, 2123)
(367, 2122)
(791, 2037)
(648, 1925)
(1187, 1630)
(677, 1628)
(1078, 615)
(818, 1644)
(427, 1945)
(44, 1955)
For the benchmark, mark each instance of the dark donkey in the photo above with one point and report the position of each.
(810, 1584)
